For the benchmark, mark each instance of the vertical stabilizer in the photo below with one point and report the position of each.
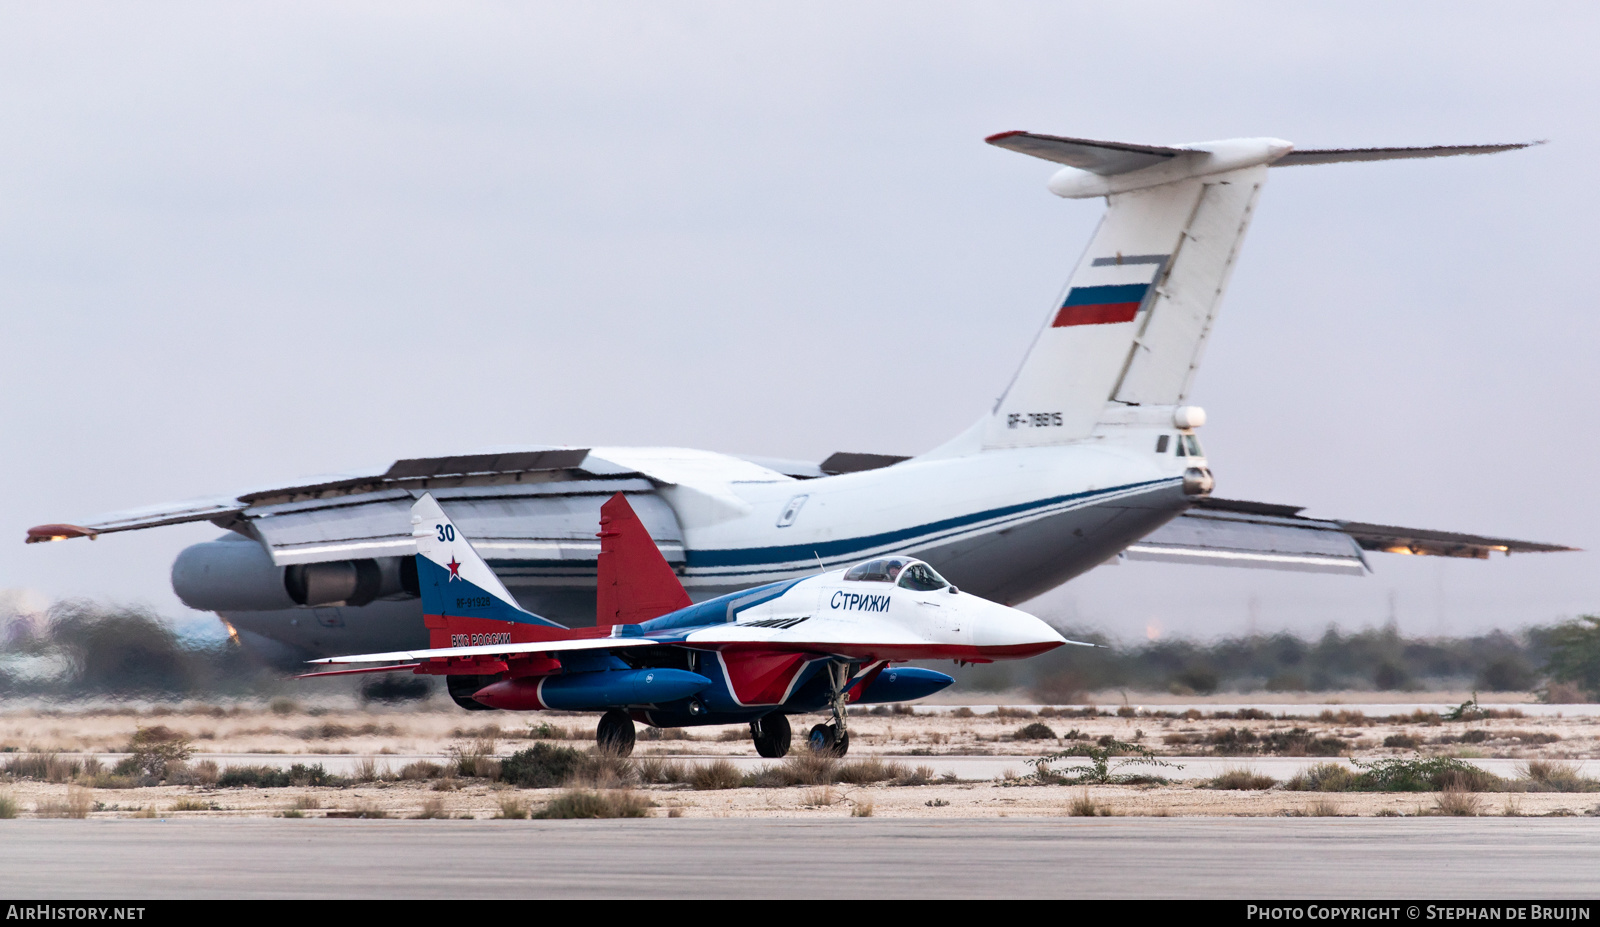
(636, 582)
(456, 586)
(1137, 311)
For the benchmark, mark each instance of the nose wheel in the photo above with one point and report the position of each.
(833, 739)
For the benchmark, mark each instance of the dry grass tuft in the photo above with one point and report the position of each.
(512, 809)
(307, 803)
(870, 769)
(367, 769)
(8, 806)
(1555, 776)
(1323, 808)
(1083, 805)
(1242, 780)
(719, 774)
(861, 808)
(653, 770)
(1458, 802)
(579, 803)
(805, 768)
(819, 798)
(432, 810)
(420, 771)
(477, 759)
(192, 804)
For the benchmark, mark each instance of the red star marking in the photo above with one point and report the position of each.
(455, 568)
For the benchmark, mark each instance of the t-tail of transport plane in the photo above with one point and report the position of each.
(1133, 323)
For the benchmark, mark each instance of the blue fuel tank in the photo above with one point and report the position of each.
(592, 691)
(904, 684)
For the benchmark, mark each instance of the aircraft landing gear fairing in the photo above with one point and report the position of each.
(615, 733)
(772, 735)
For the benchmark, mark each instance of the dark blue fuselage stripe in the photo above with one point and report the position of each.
(759, 556)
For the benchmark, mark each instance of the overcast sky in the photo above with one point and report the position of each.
(242, 243)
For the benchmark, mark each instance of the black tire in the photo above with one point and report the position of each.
(841, 744)
(772, 735)
(461, 687)
(822, 739)
(615, 733)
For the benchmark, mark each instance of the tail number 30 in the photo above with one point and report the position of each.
(446, 532)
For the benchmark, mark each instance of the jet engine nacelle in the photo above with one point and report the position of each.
(234, 573)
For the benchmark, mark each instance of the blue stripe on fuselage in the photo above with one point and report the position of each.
(764, 556)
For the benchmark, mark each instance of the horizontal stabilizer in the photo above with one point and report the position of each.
(1096, 157)
(1340, 155)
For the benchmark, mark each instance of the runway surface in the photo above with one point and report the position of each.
(1268, 858)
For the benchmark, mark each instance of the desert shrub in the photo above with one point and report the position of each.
(861, 808)
(8, 806)
(653, 770)
(46, 767)
(719, 774)
(1324, 777)
(963, 712)
(1101, 770)
(153, 749)
(1242, 779)
(477, 759)
(1549, 776)
(367, 769)
(1323, 808)
(1233, 741)
(870, 769)
(1403, 741)
(1575, 654)
(420, 770)
(578, 803)
(922, 775)
(541, 766)
(192, 804)
(603, 769)
(203, 773)
(1035, 731)
(1020, 713)
(804, 768)
(268, 777)
(1433, 774)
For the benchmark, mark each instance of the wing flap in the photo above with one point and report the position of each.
(1342, 155)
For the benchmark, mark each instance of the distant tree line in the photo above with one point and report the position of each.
(83, 649)
(1562, 661)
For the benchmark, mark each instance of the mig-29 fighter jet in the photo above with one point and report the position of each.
(755, 656)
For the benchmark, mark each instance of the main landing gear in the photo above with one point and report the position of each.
(615, 733)
(772, 735)
(833, 739)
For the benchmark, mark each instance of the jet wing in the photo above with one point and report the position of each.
(1230, 532)
(486, 650)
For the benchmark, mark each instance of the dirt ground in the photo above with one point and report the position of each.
(921, 735)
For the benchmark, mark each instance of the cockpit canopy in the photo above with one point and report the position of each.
(902, 571)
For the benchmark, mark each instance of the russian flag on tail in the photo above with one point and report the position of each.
(1100, 305)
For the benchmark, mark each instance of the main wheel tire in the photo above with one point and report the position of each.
(461, 687)
(772, 735)
(615, 733)
(825, 740)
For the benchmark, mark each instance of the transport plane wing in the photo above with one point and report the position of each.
(1231, 532)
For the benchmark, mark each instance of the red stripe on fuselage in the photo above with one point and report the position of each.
(1102, 314)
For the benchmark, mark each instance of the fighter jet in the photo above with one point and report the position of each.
(1092, 453)
(757, 656)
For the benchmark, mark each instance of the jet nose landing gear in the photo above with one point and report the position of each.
(833, 739)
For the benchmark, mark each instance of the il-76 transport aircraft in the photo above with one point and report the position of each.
(755, 656)
(1091, 453)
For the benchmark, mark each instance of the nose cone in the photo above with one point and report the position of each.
(1007, 632)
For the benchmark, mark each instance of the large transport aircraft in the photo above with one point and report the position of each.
(755, 656)
(1089, 455)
